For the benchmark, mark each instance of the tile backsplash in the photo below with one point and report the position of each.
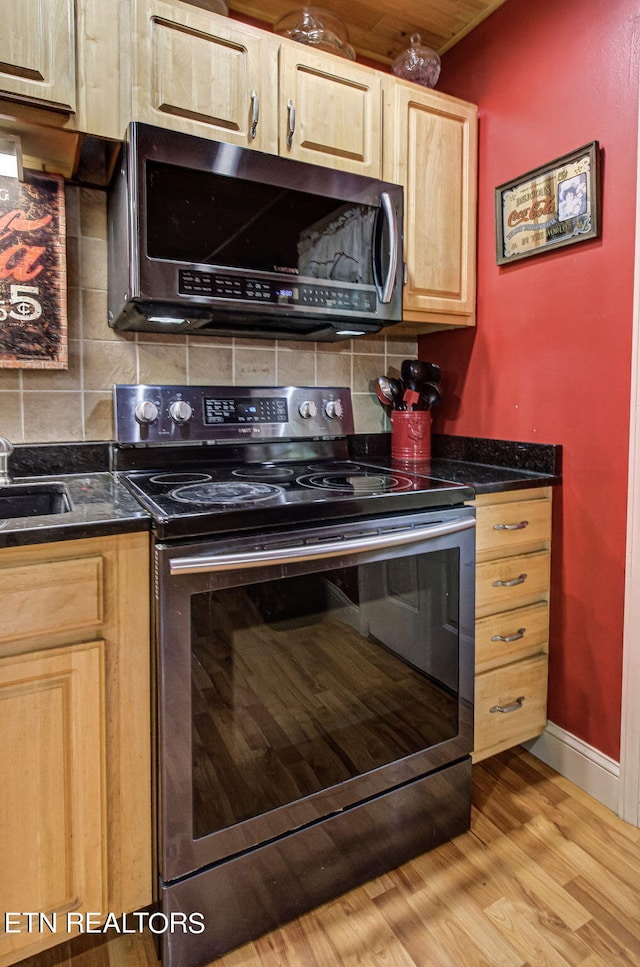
(42, 406)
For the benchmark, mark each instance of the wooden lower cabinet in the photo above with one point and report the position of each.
(75, 797)
(513, 546)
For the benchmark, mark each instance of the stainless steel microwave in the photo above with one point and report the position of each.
(212, 238)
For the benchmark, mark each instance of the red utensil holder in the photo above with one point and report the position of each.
(411, 435)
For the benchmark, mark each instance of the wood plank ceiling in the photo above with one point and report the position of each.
(380, 29)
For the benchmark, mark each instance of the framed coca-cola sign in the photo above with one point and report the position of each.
(555, 205)
(33, 273)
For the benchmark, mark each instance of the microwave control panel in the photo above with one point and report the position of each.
(293, 292)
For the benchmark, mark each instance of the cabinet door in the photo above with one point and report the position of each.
(52, 808)
(330, 111)
(430, 147)
(37, 64)
(197, 72)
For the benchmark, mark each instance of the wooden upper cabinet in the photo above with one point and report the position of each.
(37, 62)
(430, 147)
(197, 72)
(330, 111)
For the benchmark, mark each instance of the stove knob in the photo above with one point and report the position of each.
(334, 410)
(308, 410)
(180, 411)
(146, 412)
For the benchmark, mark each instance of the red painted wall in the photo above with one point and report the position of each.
(549, 361)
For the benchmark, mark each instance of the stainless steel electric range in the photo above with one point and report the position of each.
(314, 640)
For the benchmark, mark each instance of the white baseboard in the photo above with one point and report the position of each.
(590, 769)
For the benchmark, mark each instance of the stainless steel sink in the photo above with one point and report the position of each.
(33, 500)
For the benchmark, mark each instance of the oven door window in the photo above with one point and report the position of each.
(305, 682)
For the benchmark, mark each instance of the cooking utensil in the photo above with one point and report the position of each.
(383, 391)
(419, 371)
(431, 396)
(397, 390)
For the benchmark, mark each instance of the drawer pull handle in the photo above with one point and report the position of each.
(509, 638)
(511, 527)
(519, 702)
(512, 583)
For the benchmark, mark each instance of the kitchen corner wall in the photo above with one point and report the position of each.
(40, 406)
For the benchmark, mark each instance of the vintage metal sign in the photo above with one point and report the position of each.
(555, 205)
(33, 276)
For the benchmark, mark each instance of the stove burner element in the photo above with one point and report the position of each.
(337, 466)
(179, 478)
(225, 494)
(358, 482)
(264, 473)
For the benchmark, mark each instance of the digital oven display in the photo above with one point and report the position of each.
(241, 410)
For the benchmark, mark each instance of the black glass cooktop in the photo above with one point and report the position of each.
(224, 498)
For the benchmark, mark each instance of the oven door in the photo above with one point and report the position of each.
(302, 672)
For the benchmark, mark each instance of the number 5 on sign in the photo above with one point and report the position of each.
(23, 305)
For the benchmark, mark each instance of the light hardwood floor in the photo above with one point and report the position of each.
(546, 877)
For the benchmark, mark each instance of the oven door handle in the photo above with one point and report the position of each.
(315, 552)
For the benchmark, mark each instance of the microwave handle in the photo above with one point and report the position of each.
(385, 291)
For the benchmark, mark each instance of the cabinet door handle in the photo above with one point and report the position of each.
(255, 114)
(519, 702)
(509, 638)
(291, 122)
(512, 583)
(511, 527)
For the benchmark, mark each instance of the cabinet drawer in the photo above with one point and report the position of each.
(501, 527)
(510, 705)
(511, 582)
(50, 597)
(511, 635)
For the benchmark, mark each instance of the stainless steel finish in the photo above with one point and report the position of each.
(6, 449)
(291, 122)
(519, 702)
(391, 220)
(292, 555)
(190, 414)
(175, 590)
(509, 638)
(512, 583)
(146, 293)
(255, 114)
(511, 527)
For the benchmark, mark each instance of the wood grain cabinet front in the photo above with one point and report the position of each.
(204, 74)
(38, 61)
(52, 804)
(430, 147)
(197, 72)
(513, 546)
(330, 111)
(75, 797)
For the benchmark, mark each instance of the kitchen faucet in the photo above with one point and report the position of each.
(6, 449)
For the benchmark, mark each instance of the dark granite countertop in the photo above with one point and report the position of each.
(489, 466)
(100, 506)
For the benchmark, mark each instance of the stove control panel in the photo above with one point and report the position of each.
(152, 414)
